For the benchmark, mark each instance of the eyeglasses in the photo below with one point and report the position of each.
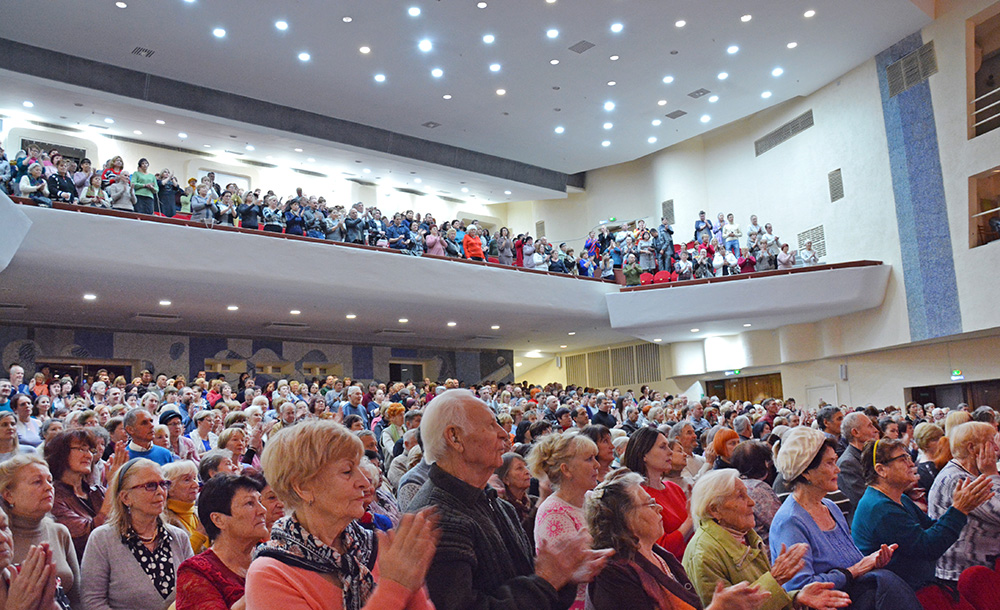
(905, 456)
(85, 450)
(152, 485)
(651, 504)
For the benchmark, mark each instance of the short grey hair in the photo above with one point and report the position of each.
(851, 422)
(354, 390)
(447, 409)
(742, 424)
(132, 415)
(711, 488)
(677, 428)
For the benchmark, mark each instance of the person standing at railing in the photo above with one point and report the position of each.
(472, 245)
(61, 187)
(94, 195)
(169, 191)
(145, 187)
(731, 232)
(201, 208)
(81, 178)
(34, 187)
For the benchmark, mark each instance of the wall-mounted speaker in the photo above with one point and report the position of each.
(843, 372)
(558, 362)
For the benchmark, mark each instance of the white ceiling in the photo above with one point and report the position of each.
(256, 60)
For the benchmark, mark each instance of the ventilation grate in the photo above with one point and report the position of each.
(539, 229)
(622, 365)
(667, 211)
(54, 126)
(576, 369)
(836, 180)
(699, 93)
(582, 46)
(394, 332)
(163, 318)
(306, 172)
(430, 124)
(187, 151)
(790, 129)
(12, 308)
(143, 52)
(676, 114)
(817, 236)
(410, 191)
(450, 199)
(911, 69)
(647, 360)
(286, 326)
(235, 152)
(361, 182)
(599, 366)
(258, 163)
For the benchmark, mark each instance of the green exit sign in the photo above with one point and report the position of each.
(956, 375)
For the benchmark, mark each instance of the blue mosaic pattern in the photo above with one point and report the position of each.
(921, 209)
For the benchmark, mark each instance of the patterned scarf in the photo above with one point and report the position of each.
(291, 544)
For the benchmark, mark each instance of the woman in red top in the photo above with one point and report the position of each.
(472, 245)
(114, 169)
(649, 454)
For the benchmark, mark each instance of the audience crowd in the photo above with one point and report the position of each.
(335, 493)
(625, 254)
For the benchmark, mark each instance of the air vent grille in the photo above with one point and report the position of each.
(583, 45)
(539, 229)
(676, 114)
(450, 199)
(411, 191)
(431, 124)
(647, 363)
(790, 129)
(286, 326)
(394, 332)
(911, 69)
(622, 365)
(817, 236)
(54, 126)
(235, 152)
(599, 365)
(576, 369)
(836, 180)
(306, 172)
(163, 318)
(187, 151)
(361, 182)
(12, 308)
(258, 163)
(667, 211)
(143, 52)
(699, 93)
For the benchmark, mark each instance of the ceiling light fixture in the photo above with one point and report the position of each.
(418, 180)
(481, 5)
(809, 13)
(295, 312)
(28, 104)
(121, 5)
(109, 121)
(733, 50)
(414, 11)
(89, 297)
(347, 19)
(137, 132)
(182, 135)
(668, 79)
(446, 96)
(160, 122)
(651, 139)
(661, 103)
(657, 340)
(554, 62)
(505, 193)
(365, 50)
(501, 92)
(303, 56)
(351, 316)
(425, 45)
(562, 346)
(495, 327)
(694, 330)
(608, 125)
(233, 308)
(609, 106)
(553, 33)
(452, 323)
(612, 83)
(681, 23)
(746, 18)
(489, 38)
(518, 363)
(614, 58)
(366, 171)
(465, 189)
(766, 94)
(723, 75)
(380, 78)
(571, 334)
(281, 25)
(494, 67)
(437, 72)
(747, 325)
(298, 150)
(792, 45)
(403, 320)
(250, 147)
(560, 129)
(705, 118)
(712, 99)
(165, 303)
(617, 27)
(777, 72)
(657, 122)
(219, 33)
(311, 160)
(207, 145)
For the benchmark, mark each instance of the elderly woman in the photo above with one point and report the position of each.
(34, 187)
(319, 557)
(236, 440)
(32, 585)
(649, 455)
(394, 431)
(927, 436)
(569, 463)
(180, 511)
(726, 549)
(642, 575)
(131, 560)
(754, 462)
(974, 450)
(234, 517)
(27, 497)
(724, 442)
(515, 477)
(885, 515)
(808, 462)
(272, 503)
(202, 436)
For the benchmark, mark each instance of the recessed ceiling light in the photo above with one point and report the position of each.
(651, 139)
(295, 312)
(554, 62)
(425, 45)
(437, 72)
(571, 334)
(661, 103)
(311, 160)
(777, 72)
(365, 50)
(501, 92)
(608, 125)
(489, 38)
(518, 363)
(494, 67)
(219, 33)
(560, 129)
(347, 19)
(281, 25)
(109, 121)
(414, 11)
(298, 150)
(606, 143)
(723, 75)
(465, 189)
(614, 58)
(233, 308)
(746, 18)
(681, 23)
(380, 78)
(303, 56)
(351, 316)
(182, 135)
(165, 303)
(495, 327)
(733, 50)
(668, 79)
(137, 132)
(207, 145)
(657, 340)
(452, 323)
(617, 27)
(89, 297)
(809, 13)
(418, 180)
(766, 94)
(694, 330)
(481, 4)
(656, 122)
(792, 45)
(713, 99)
(563, 346)
(609, 106)
(446, 96)
(250, 147)
(552, 33)
(366, 170)
(705, 118)
(160, 122)
(612, 83)
(121, 5)
(403, 320)
(28, 104)
(747, 325)
(505, 193)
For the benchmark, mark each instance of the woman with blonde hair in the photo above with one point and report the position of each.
(181, 510)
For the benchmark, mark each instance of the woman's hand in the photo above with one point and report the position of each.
(822, 596)
(986, 459)
(741, 596)
(971, 493)
(118, 458)
(569, 559)
(28, 587)
(405, 553)
(789, 562)
(876, 560)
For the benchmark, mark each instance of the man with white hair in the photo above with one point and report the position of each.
(857, 429)
(353, 406)
(17, 378)
(484, 558)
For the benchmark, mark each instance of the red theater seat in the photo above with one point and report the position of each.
(645, 279)
(980, 585)
(662, 277)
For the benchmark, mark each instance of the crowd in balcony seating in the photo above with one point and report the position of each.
(632, 256)
(265, 493)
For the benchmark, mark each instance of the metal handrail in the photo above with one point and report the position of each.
(985, 95)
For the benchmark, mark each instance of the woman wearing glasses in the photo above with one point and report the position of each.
(131, 561)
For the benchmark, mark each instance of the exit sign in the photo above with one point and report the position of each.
(956, 375)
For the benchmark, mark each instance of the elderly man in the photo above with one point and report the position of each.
(139, 425)
(856, 429)
(353, 406)
(830, 420)
(484, 558)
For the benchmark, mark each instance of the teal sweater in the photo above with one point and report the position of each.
(922, 540)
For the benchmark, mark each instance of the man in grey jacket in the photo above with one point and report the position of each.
(857, 429)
